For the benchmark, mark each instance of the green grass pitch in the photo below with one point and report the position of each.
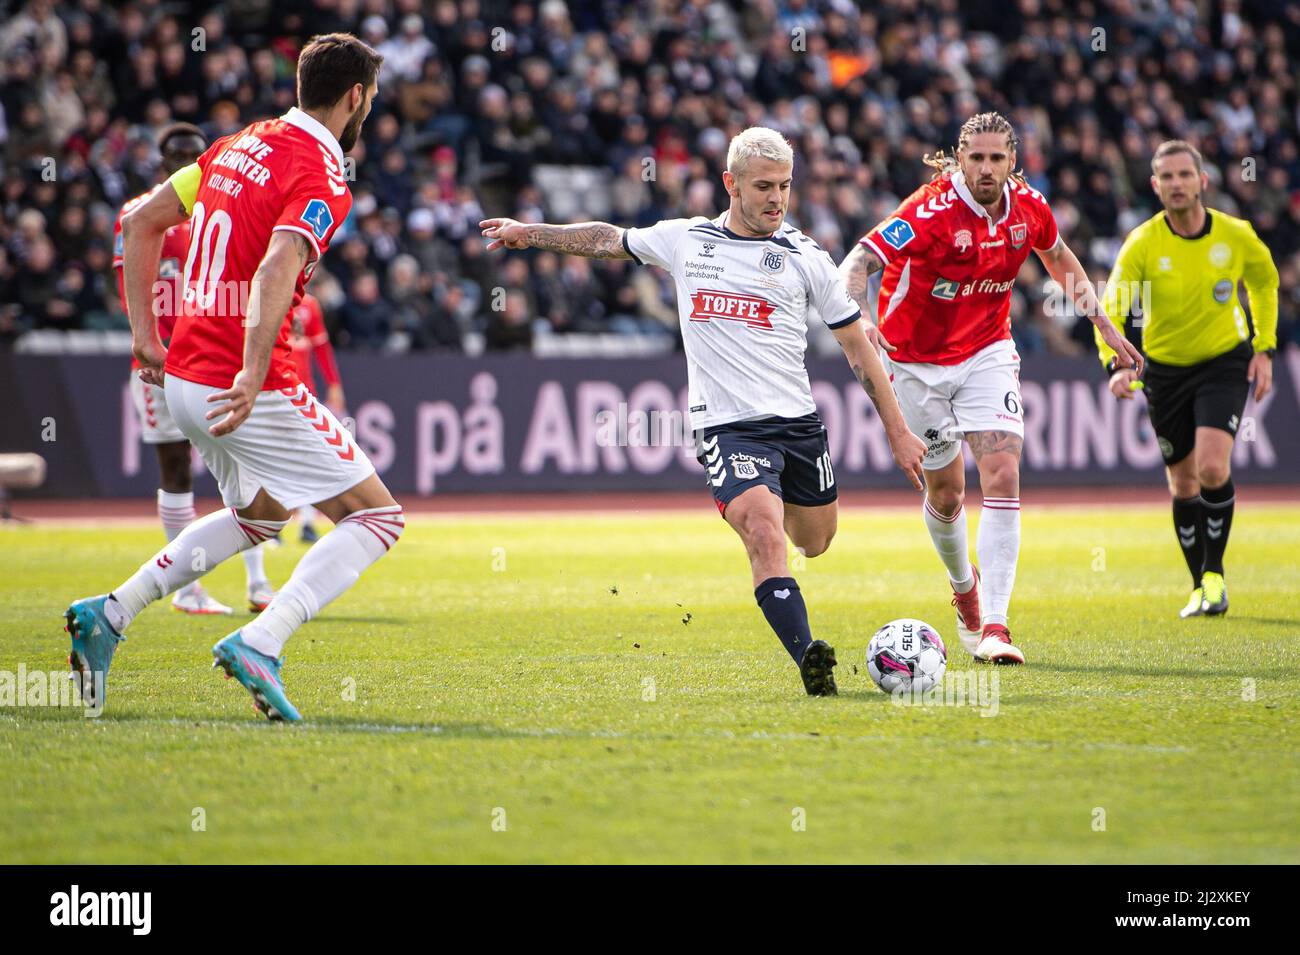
(483, 695)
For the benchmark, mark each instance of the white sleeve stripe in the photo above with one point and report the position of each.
(310, 236)
(866, 240)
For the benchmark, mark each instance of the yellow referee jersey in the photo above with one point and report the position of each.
(1185, 289)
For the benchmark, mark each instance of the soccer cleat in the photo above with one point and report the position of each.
(996, 646)
(258, 673)
(1194, 602)
(968, 614)
(308, 534)
(196, 600)
(1215, 601)
(817, 669)
(93, 643)
(259, 595)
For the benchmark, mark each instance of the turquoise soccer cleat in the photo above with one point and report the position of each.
(258, 673)
(93, 643)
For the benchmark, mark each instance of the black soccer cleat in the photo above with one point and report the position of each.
(818, 669)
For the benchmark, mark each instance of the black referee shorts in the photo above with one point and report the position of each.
(1181, 399)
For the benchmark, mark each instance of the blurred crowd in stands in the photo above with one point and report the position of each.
(622, 111)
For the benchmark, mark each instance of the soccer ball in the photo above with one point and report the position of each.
(907, 656)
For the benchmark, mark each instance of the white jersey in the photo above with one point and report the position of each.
(744, 306)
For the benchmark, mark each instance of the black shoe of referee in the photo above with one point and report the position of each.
(817, 669)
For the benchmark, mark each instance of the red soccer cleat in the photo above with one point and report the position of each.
(996, 646)
(968, 614)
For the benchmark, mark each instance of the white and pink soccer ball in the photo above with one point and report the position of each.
(907, 656)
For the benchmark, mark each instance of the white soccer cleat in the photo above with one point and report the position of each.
(996, 646)
(196, 600)
(259, 595)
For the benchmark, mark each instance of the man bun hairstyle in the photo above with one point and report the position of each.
(330, 65)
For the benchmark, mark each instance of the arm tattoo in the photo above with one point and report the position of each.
(868, 385)
(992, 442)
(301, 249)
(856, 269)
(594, 240)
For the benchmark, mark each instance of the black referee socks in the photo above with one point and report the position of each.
(783, 606)
(1217, 522)
(1191, 537)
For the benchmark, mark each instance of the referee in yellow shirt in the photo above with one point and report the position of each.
(1183, 267)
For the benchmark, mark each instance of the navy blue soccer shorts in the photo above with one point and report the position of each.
(790, 456)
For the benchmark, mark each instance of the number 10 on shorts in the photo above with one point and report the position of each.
(825, 476)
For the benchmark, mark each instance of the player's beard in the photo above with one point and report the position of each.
(352, 131)
(987, 194)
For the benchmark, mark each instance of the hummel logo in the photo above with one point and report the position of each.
(1214, 528)
(781, 593)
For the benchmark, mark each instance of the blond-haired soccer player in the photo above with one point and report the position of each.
(1202, 356)
(748, 284)
(950, 254)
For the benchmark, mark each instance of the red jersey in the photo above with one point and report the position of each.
(276, 174)
(946, 289)
(175, 242)
(308, 338)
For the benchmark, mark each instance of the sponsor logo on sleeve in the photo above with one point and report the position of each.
(897, 233)
(318, 216)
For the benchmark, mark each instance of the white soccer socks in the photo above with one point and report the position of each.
(176, 511)
(331, 566)
(998, 547)
(201, 546)
(949, 537)
(255, 565)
